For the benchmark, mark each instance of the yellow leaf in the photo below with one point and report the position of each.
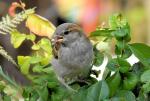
(40, 26)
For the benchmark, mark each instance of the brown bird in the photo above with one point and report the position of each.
(73, 53)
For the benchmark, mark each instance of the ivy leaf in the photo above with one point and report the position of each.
(31, 37)
(98, 57)
(113, 65)
(138, 68)
(120, 33)
(145, 77)
(24, 63)
(17, 38)
(113, 83)
(35, 47)
(124, 65)
(142, 52)
(125, 95)
(118, 64)
(45, 45)
(117, 21)
(102, 32)
(6, 98)
(130, 81)
(121, 27)
(43, 93)
(35, 59)
(146, 87)
(142, 97)
(96, 92)
(37, 68)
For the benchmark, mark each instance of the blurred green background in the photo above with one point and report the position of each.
(91, 13)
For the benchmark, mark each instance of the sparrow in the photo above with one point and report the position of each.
(73, 53)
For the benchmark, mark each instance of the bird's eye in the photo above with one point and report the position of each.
(66, 32)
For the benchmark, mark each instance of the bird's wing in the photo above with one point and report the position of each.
(55, 52)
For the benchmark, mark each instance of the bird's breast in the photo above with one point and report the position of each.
(77, 55)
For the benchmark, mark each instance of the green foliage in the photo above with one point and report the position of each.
(96, 92)
(8, 57)
(141, 51)
(8, 23)
(121, 81)
(113, 83)
(98, 57)
(8, 79)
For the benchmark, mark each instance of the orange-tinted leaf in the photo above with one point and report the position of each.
(40, 26)
(12, 8)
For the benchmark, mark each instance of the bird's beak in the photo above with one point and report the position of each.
(58, 39)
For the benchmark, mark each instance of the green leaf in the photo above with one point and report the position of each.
(33, 96)
(125, 95)
(146, 87)
(120, 33)
(98, 57)
(60, 94)
(31, 37)
(145, 77)
(24, 63)
(130, 81)
(43, 93)
(45, 45)
(126, 52)
(142, 52)
(17, 38)
(118, 64)
(121, 27)
(138, 68)
(142, 97)
(8, 79)
(35, 59)
(6, 98)
(102, 32)
(117, 21)
(113, 83)
(35, 47)
(113, 65)
(37, 68)
(116, 99)
(96, 92)
(124, 65)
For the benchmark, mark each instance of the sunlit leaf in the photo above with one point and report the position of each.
(17, 38)
(24, 63)
(31, 37)
(35, 47)
(40, 26)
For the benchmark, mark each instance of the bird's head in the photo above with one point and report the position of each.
(66, 33)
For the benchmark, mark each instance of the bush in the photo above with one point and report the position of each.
(120, 81)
